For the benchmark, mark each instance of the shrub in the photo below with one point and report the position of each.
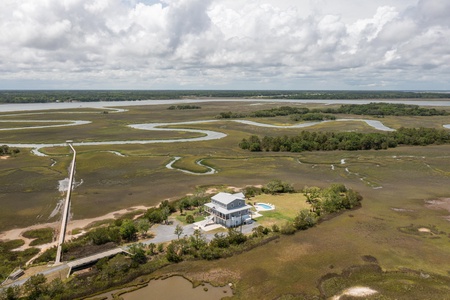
(190, 219)
(288, 228)
(304, 220)
(275, 228)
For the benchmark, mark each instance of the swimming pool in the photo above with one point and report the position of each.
(264, 206)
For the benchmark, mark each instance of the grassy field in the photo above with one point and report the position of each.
(395, 184)
(287, 207)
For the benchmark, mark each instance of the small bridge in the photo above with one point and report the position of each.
(90, 260)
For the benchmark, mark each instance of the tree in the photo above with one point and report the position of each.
(352, 199)
(35, 286)
(10, 293)
(118, 265)
(143, 225)
(99, 236)
(56, 289)
(197, 239)
(173, 253)
(235, 237)
(312, 195)
(178, 230)
(220, 241)
(154, 215)
(165, 214)
(338, 188)
(4, 150)
(128, 230)
(138, 254)
(304, 220)
(251, 191)
(151, 248)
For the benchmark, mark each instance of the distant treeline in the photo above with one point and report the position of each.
(13, 96)
(328, 141)
(320, 114)
(385, 109)
(181, 107)
(295, 113)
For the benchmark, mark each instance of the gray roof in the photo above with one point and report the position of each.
(227, 198)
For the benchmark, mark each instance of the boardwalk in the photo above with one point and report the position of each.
(65, 214)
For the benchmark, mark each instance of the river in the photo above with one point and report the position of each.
(8, 107)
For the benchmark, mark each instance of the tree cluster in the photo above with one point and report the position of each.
(328, 141)
(191, 202)
(222, 245)
(385, 109)
(295, 113)
(185, 106)
(277, 186)
(320, 114)
(157, 215)
(5, 150)
(323, 202)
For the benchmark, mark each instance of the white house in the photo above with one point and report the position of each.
(229, 210)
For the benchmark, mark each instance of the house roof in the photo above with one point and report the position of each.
(227, 198)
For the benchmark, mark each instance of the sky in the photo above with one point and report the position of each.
(225, 44)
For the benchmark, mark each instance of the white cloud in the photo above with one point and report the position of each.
(224, 44)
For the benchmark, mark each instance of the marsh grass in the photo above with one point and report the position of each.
(404, 176)
(29, 189)
(40, 236)
(13, 124)
(191, 164)
(402, 284)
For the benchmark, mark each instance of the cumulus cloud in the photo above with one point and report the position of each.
(224, 44)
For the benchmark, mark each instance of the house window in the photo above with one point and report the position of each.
(232, 204)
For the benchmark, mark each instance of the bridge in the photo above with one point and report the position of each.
(89, 260)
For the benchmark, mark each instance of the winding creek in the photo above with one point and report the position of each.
(206, 134)
(68, 123)
(199, 162)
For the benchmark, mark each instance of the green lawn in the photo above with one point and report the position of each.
(287, 207)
